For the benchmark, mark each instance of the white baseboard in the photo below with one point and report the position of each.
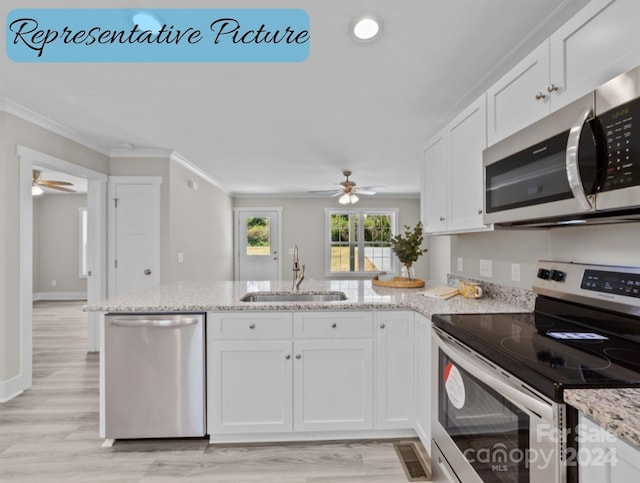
(11, 388)
(59, 296)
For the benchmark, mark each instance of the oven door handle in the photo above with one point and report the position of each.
(572, 166)
(524, 401)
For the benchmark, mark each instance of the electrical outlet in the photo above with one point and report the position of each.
(515, 272)
(460, 264)
(291, 251)
(486, 268)
(54, 283)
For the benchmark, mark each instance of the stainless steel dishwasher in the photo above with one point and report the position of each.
(154, 376)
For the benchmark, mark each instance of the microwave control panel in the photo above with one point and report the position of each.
(621, 127)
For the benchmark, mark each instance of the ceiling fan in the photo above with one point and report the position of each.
(37, 183)
(348, 190)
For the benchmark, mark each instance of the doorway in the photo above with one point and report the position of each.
(96, 249)
(258, 243)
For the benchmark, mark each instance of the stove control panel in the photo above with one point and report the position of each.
(609, 287)
(618, 283)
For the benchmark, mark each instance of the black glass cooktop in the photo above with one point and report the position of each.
(551, 352)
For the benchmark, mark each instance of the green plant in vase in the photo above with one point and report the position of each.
(407, 246)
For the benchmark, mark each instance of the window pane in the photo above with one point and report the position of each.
(258, 235)
(377, 236)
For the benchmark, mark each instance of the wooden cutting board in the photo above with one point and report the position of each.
(442, 292)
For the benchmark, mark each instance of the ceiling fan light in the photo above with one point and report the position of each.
(344, 199)
(36, 190)
(354, 199)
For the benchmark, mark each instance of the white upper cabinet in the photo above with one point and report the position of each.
(433, 198)
(520, 97)
(598, 43)
(452, 188)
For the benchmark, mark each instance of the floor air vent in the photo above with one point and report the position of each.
(412, 463)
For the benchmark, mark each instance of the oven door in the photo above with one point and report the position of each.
(547, 170)
(486, 428)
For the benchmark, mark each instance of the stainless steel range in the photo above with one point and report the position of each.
(499, 378)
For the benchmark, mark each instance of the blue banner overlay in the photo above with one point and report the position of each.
(157, 35)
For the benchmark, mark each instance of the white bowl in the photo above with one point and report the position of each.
(386, 277)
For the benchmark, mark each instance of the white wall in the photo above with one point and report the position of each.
(198, 223)
(303, 224)
(16, 131)
(605, 244)
(56, 245)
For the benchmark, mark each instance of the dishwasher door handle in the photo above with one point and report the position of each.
(148, 322)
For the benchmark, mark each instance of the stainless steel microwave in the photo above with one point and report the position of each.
(580, 164)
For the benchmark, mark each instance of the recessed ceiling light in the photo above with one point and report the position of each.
(366, 28)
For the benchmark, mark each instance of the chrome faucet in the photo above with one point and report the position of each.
(297, 276)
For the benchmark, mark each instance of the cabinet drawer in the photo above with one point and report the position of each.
(329, 325)
(257, 325)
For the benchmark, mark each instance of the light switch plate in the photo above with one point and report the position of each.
(180, 257)
(460, 264)
(515, 272)
(486, 268)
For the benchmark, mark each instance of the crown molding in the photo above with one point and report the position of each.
(184, 162)
(395, 196)
(26, 114)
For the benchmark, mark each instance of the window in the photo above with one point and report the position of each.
(258, 235)
(359, 241)
(82, 241)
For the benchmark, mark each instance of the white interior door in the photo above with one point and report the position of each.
(134, 205)
(258, 246)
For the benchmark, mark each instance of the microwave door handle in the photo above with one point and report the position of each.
(526, 402)
(573, 170)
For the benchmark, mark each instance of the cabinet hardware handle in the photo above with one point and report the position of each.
(552, 88)
(334, 325)
(287, 357)
(540, 95)
(479, 211)
(275, 258)
(252, 326)
(442, 218)
(147, 272)
(298, 356)
(382, 326)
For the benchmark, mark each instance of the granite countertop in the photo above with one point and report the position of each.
(361, 295)
(616, 409)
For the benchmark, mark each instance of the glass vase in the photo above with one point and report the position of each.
(408, 272)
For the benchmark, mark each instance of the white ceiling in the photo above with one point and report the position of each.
(290, 128)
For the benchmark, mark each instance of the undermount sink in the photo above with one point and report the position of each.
(293, 297)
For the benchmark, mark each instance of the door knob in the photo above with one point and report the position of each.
(147, 272)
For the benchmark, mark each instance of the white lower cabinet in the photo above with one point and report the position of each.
(332, 385)
(250, 386)
(394, 348)
(604, 457)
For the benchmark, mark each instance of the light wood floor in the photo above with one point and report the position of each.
(50, 433)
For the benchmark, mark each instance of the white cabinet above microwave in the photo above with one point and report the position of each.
(598, 43)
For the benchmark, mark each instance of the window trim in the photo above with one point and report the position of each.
(394, 212)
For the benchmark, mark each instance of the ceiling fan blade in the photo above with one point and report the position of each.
(325, 191)
(371, 188)
(337, 193)
(51, 183)
(60, 188)
(365, 192)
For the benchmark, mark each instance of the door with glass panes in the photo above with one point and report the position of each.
(258, 244)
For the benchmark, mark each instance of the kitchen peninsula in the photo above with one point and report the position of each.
(310, 370)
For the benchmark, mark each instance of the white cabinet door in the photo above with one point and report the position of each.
(249, 386)
(520, 97)
(423, 378)
(467, 137)
(333, 385)
(598, 43)
(394, 370)
(603, 457)
(433, 198)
